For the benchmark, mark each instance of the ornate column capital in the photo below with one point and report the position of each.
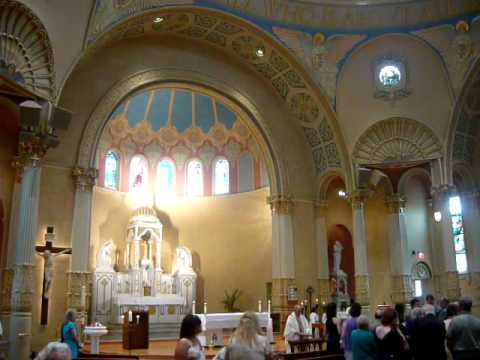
(321, 207)
(358, 197)
(29, 153)
(443, 191)
(84, 178)
(396, 203)
(280, 204)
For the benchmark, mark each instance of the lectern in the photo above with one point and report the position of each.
(135, 332)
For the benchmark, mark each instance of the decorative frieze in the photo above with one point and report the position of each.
(84, 178)
(396, 203)
(323, 291)
(22, 288)
(402, 290)
(358, 197)
(6, 292)
(29, 154)
(76, 280)
(362, 289)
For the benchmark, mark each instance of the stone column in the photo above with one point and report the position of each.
(18, 279)
(79, 274)
(321, 247)
(283, 254)
(362, 287)
(399, 259)
(436, 258)
(471, 218)
(449, 277)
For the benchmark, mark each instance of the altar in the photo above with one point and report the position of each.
(137, 281)
(214, 324)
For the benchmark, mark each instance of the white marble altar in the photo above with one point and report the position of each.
(142, 284)
(94, 332)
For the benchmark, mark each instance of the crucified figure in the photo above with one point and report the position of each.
(48, 258)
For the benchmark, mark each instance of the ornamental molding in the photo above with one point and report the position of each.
(26, 54)
(307, 105)
(396, 140)
(84, 178)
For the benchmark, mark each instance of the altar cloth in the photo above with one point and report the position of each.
(164, 299)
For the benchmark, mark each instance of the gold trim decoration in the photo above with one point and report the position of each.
(75, 281)
(29, 154)
(280, 204)
(358, 197)
(362, 290)
(402, 291)
(22, 288)
(84, 178)
(26, 55)
(6, 292)
(396, 203)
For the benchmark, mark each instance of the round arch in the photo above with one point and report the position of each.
(303, 97)
(414, 172)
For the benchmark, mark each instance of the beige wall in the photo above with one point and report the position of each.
(229, 236)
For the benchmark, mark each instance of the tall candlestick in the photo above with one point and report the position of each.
(205, 307)
(259, 306)
(130, 316)
(269, 306)
(83, 296)
(194, 307)
(138, 319)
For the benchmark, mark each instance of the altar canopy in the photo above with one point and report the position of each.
(142, 285)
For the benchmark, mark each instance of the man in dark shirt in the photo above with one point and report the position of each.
(428, 336)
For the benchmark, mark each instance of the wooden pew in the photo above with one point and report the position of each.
(311, 355)
(88, 356)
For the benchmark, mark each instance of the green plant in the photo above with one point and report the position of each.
(229, 300)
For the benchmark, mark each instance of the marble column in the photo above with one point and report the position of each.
(18, 279)
(79, 275)
(321, 247)
(471, 218)
(449, 283)
(283, 253)
(399, 257)
(362, 287)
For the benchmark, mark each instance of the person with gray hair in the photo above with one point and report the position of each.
(363, 342)
(55, 351)
(463, 336)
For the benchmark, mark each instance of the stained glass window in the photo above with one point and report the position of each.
(165, 179)
(138, 178)
(194, 178)
(112, 170)
(390, 75)
(222, 177)
(458, 233)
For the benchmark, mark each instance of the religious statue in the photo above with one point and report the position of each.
(48, 258)
(337, 257)
(184, 259)
(105, 256)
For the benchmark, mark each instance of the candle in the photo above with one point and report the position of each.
(269, 306)
(138, 319)
(316, 300)
(122, 318)
(259, 306)
(205, 307)
(130, 316)
(194, 303)
(301, 303)
(83, 296)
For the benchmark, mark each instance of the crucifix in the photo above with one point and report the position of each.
(49, 253)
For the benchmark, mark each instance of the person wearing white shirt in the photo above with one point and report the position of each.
(297, 324)
(314, 318)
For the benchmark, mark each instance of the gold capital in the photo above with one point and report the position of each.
(280, 204)
(358, 197)
(396, 203)
(84, 178)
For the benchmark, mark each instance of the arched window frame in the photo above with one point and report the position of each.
(187, 178)
(456, 216)
(158, 191)
(146, 175)
(214, 175)
(119, 169)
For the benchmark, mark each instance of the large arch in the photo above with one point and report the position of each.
(306, 102)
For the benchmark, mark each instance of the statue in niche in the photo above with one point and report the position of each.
(337, 257)
(339, 279)
(105, 256)
(184, 259)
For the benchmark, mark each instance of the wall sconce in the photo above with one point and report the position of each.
(437, 215)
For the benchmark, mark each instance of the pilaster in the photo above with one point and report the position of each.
(321, 247)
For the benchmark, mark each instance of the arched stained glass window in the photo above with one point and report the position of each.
(138, 178)
(112, 170)
(165, 183)
(458, 234)
(194, 178)
(221, 177)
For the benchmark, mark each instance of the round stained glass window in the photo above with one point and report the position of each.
(390, 76)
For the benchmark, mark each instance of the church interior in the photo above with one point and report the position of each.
(218, 156)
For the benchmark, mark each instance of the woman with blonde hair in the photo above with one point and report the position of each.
(70, 334)
(248, 341)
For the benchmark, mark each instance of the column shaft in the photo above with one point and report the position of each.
(321, 247)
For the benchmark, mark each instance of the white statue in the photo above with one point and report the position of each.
(337, 257)
(184, 259)
(48, 258)
(105, 256)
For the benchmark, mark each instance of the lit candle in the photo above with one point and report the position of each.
(130, 316)
(138, 319)
(259, 306)
(83, 296)
(301, 303)
(316, 300)
(205, 307)
(122, 318)
(269, 306)
(194, 310)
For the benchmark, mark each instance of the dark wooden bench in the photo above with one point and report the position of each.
(88, 356)
(311, 355)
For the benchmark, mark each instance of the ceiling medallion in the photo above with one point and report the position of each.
(390, 78)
